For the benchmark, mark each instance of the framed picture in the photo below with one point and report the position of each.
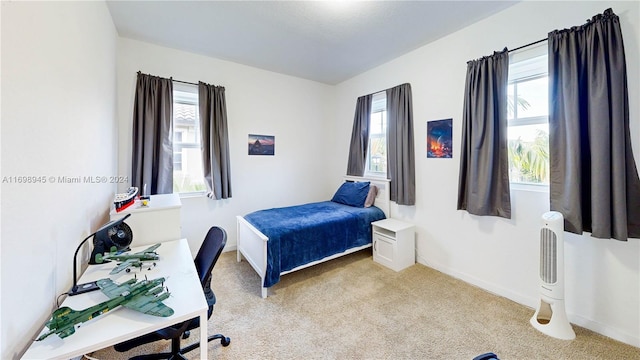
(439, 138)
(262, 144)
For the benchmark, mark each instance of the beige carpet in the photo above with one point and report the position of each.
(353, 308)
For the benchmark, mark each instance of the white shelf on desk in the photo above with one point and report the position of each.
(158, 221)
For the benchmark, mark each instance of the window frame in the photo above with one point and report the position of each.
(378, 105)
(529, 120)
(528, 66)
(191, 99)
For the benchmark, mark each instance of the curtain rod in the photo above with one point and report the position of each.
(184, 82)
(172, 79)
(379, 91)
(530, 44)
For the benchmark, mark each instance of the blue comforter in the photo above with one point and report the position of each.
(301, 234)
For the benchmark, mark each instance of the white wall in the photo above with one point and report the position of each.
(59, 67)
(500, 255)
(58, 119)
(294, 110)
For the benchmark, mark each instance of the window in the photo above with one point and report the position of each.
(377, 151)
(187, 157)
(528, 117)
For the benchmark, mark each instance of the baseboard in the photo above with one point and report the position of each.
(490, 287)
(229, 248)
(578, 320)
(604, 329)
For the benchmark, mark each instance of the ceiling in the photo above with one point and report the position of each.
(324, 41)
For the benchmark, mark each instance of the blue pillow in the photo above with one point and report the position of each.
(352, 193)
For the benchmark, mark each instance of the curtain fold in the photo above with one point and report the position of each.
(593, 177)
(152, 148)
(483, 185)
(359, 137)
(215, 140)
(400, 152)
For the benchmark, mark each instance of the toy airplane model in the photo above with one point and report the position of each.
(145, 296)
(128, 260)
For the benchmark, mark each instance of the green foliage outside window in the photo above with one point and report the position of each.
(529, 160)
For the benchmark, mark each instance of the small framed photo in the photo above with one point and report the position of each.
(439, 138)
(262, 144)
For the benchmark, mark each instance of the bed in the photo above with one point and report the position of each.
(283, 240)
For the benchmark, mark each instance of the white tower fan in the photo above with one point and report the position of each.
(551, 318)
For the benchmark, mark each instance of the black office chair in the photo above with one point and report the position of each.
(205, 260)
(486, 356)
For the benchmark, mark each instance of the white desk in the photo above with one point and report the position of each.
(187, 300)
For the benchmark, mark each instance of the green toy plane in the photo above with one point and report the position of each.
(145, 296)
(128, 260)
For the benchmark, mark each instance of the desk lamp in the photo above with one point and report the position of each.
(112, 236)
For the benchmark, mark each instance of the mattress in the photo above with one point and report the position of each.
(305, 233)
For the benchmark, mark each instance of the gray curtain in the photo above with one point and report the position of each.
(483, 184)
(400, 150)
(359, 137)
(215, 140)
(593, 177)
(152, 153)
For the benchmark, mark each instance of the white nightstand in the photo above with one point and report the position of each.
(156, 222)
(393, 243)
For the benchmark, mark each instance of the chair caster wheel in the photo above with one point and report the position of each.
(225, 341)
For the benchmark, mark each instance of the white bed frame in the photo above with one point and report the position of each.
(252, 244)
